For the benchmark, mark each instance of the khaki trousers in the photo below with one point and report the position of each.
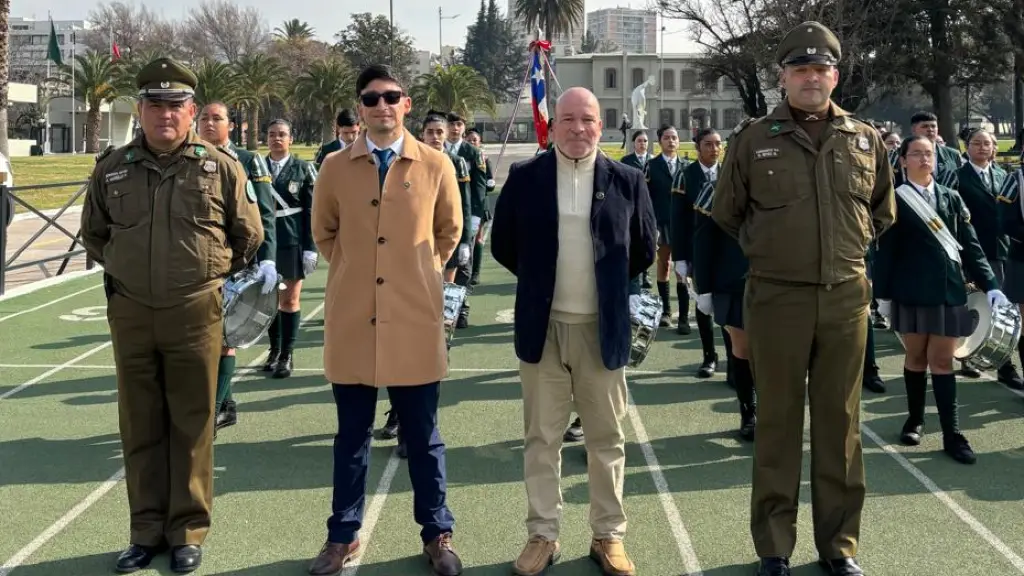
(571, 373)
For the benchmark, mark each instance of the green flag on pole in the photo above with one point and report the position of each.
(53, 51)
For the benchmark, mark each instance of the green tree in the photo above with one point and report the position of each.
(328, 86)
(367, 40)
(494, 50)
(97, 79)
(261, 80)
(456, 88)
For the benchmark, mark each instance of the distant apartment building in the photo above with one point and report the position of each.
(30, 39)
(629, 29)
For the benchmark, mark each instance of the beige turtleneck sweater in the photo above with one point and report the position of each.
(575, 279)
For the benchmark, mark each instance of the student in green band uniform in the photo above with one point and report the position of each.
(921, 271)
(980, 181)
(639, 159)
(460, 265)
(215, 127)
(1013, 226)
(948, 159)
(293, 181)
(480, 241)
(346, 130)
(693, 179)
(719, 270)
(663, 174)
(476, 160)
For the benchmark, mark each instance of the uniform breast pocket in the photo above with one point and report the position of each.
(855, 173)
(774, 185)
(127, 206)
(196, 200)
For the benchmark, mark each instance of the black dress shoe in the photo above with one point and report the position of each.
(778, 566)
(1008, 375)
(969, 371)
(271, 364)
(874, 382)
(574, 433)
(284, 365)
(185, 559)
(707, 367)
(842, 567)
(462, 321)
(748, 424)
(137, 557)
(958, 448)
(911, 433)
(228, 415)
(390, 429)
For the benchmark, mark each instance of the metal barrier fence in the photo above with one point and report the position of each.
(8, 200)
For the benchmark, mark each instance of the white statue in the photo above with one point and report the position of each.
(640, 104)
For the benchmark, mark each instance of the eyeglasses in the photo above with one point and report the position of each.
(921, 155)
(391, 97)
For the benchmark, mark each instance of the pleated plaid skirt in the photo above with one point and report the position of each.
(951, 321)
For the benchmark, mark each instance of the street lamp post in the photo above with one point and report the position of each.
(440, 43)
(391, 33)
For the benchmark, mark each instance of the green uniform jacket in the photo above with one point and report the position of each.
(636, 161)
(683, 197)
(986, 209)
(325, 149)
(259, 176)
(476, 160)
(490, 175)
(1013, 220)
(661, 183)
(294, 189)
(719, 266)
(462, 175)
(911, 266)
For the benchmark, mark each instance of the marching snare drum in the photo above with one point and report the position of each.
(995, 335)
(248, 312)
(454, 296)
(645, 319)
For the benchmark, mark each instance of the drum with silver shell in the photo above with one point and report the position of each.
(454, 297)
(995, 336)
(248, 312)
(645, 319)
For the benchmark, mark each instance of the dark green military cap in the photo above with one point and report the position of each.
(809, 43)
(166, 79)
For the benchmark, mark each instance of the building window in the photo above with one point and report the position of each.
(638, 77)
(684, 119)
(709, 82)
(688, 80)
(668, 117)
(668, 80)
(731, 118)
(610, 78)
(611, 118)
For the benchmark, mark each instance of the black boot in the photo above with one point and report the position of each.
(730, 375)
(1008, 375)
(871, 379)
(953, 442)
(646, 281)
(706, 329)
(683, 298)
(227, 415)
(390, 428)
(274, 335)
(666, 305)
(746, 395)
(283, 369)
(917, 387)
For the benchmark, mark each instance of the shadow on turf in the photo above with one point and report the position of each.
(82, 340)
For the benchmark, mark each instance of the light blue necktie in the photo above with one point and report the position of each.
(383, 163)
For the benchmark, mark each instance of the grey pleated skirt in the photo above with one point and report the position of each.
(951, 321)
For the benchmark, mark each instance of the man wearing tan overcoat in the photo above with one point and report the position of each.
(387, 215)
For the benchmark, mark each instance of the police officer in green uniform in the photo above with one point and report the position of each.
(346, 130)
(719, 275)
(169, 217)
(293, 181)
(805, 190)
(215, 127)
(664, 174)
(476, 160)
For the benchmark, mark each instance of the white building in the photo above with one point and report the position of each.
(116, 128)
(30, 40)
(682, 98)
(632, 30)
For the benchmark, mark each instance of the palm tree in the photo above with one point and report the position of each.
(97, 79)
(218, 82)
(554, 17)
(294, 31)
(456, 88)
(261, 79)
(5, 70)
(329, 86)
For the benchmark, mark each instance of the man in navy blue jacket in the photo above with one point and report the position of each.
(574, 227)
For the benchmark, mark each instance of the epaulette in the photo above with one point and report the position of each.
(105, 152)
(742, 125)
(227, 150)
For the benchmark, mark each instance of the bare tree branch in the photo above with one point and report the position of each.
(227, 30)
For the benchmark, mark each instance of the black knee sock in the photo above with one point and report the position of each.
(870, 365)
(744, 385)
(944, 388)
(730, 376)
(289, 330)
(274, 334)
(707, 334)
(478, 258)
(666, 304)
(225, 371)
(917, 386)
(683, 297)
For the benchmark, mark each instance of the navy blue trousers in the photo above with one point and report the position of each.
(416, 407)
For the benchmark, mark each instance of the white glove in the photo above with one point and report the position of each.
(268, 274)
(885, 308)
(309, 260)
(996, 298)
(681, 269)
(490, 183)
(634, 304)
(463, 254)
(704, 304)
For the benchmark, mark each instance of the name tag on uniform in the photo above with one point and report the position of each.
(765, 153)
(117, 176)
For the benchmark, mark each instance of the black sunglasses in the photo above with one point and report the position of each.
(391, 97)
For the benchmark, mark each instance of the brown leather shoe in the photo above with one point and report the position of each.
(333, 558)
(442, 556)
(611, 555)
(535, 558)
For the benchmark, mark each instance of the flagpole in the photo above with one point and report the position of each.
(49, 96)
(110, 104)
(74, 105)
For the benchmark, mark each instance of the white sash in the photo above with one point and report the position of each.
(932, 220)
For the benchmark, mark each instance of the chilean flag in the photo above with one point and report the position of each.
(538, 92)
